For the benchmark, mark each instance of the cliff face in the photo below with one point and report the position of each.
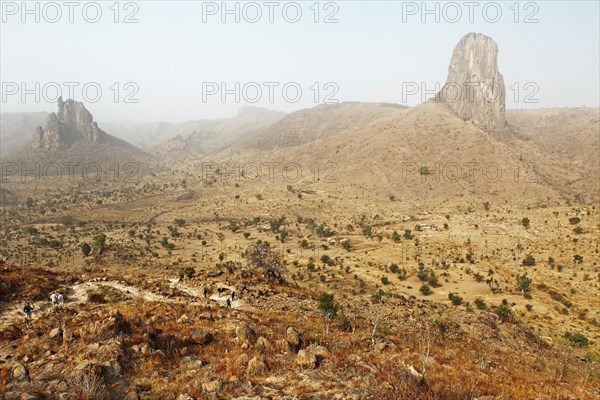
(475, 88)
(71, 122)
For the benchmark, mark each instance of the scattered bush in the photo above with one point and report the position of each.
(528, 261)
(425, 290)
(576, 339)
(480, 303)
(455, 299)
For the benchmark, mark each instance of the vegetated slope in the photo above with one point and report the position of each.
(319, 123)
(421, 155)
(569, 134)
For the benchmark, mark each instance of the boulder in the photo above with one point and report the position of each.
(19, 373)
(68, 335)
(132, 396)
(293, 338)
(306, 359)
(256, 366)
(245, 334)
(199, 337)
(212, 386)
(56, 332)
(262, 344)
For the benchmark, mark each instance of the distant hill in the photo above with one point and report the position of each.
(319, 123)
(204, 135)
(379, 150)
(16, 129)
(571, 135)
(71, 136)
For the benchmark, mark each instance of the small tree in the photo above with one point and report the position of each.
(455, 299)
(524, 283)
(505, 312)
(283, 235)
(480, 303)
(188, 272)
(525, 222)
(99, 241)
(86, 249)
(329, 307)
(326, 260)
(426, 290)
(261, 256)
(528, 261)
(486, 205)
(346, 245)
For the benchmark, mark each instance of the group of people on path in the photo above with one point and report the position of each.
(220, 291)
(57, 299)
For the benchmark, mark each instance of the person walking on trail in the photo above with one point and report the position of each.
(205, 292)
(228, 303)
(232, 295)
(27, 310)
(61, 299)
(54, 299)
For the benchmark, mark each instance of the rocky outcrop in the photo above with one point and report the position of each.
(475, 88)
(71, 122)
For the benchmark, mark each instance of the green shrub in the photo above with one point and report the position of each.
(480, 303)
(577, 339)
(528, 261)
(505, 312)
(455, 299)
(426, 290)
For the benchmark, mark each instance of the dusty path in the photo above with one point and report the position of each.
(77, 293)
(199, 293)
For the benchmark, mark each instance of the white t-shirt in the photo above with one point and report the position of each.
(54, 297)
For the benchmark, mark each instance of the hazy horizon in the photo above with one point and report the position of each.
(369, 55)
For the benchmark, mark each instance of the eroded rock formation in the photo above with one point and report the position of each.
(475, 88)
(70, 123)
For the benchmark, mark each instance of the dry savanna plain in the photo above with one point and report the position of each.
(346, 251)
(469, 297)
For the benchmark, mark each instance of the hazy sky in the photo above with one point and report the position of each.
(178, 55)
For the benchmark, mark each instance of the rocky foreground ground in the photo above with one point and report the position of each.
(116, 340)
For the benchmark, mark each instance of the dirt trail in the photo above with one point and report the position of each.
(77, 293)
(199, 293)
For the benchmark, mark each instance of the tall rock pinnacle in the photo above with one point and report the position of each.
(475, 89)
(70, 123)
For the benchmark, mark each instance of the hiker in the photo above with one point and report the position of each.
(54, 299)
(27, 310)
(220, 291)
(61, 299)
(232, 295)
(228, 303)
(205, 292)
